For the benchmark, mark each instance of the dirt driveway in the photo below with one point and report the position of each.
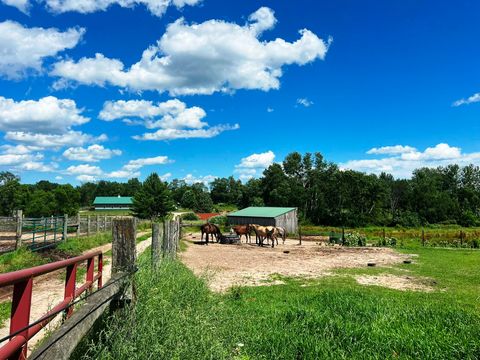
(229, 265)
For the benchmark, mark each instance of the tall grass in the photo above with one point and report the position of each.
(76, 246)
(177, 317)
(5, 308)
(20, 259)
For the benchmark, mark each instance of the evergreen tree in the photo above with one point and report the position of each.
(153, 200)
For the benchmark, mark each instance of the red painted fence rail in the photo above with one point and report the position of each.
(22, 281)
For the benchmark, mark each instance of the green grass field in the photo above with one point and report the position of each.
(435, 235)
(178, 317)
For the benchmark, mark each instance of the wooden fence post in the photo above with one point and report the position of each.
(97, 224)
(123, 245)
(423, 237)
(65, 227)
(170, 238)
(155, 244)
(300, 234)
(88, 225)
(105, 223)
(179, 221)
(18, 235)
(79, 222)
(178, 233)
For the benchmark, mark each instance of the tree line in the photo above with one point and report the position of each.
(323, 193)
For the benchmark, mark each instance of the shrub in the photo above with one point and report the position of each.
(354, 239)
(387, 241)
(190, 216)
(219, 220)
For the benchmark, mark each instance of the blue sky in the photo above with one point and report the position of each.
(227, 88)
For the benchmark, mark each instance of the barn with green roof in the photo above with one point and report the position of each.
(285, 217)
(112, 203)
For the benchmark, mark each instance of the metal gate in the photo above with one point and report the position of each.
(40, 233)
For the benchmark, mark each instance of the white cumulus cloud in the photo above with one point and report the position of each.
(53, 141)
(15, 159)
(44, 123)
(401, 164)
(93, 153)
(174, 119)
(24, 49)
(169, 114)
(139, 163)
(86, 178)
(172, 134)
(192, 179)
(123, 174)
(257, 161)
(22, 5)
(36, 166)
(87, 172)
(18, 149)
(471, 99)
(131, 169)
(84, 169)
(391, 150)
(20, 158)
(156, 7)
(250, 165)
(46, 115)
(202, 59)
(165, 176)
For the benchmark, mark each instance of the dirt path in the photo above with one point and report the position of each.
(229, 265)
(48, 290)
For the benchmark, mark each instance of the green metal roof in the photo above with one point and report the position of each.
(118, 200)
(268, 212)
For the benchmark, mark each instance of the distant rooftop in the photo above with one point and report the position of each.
(268, 212)
(108, 200)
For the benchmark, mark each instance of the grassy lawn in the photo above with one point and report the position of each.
(76, 246)
(177, 317)
(20, 259)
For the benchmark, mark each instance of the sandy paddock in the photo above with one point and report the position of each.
(247, 264)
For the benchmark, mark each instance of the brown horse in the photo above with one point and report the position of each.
(212, 229)
(280, 232)
(243, 230)
(264, 232)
